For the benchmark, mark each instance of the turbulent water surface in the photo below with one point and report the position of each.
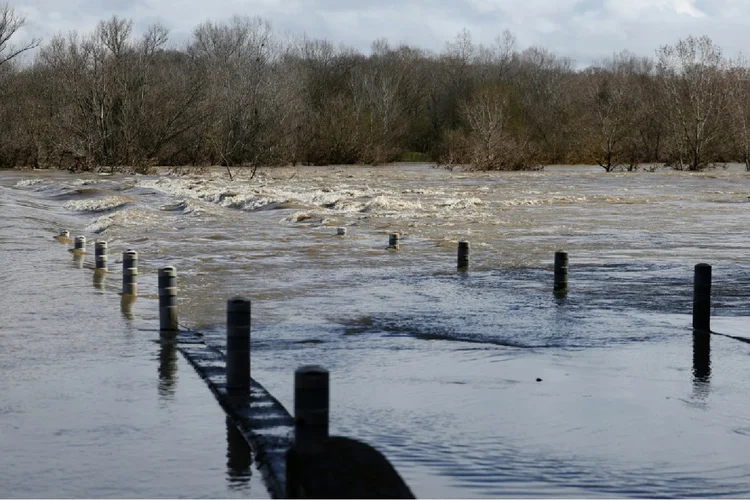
(437, 369)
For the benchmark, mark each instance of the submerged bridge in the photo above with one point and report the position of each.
(295, 454)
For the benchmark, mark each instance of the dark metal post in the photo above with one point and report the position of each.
(168, 299)
(561, 272)
(702, 298)
(100, 255)
(238, 344)
(130, 272)
(79, 244)
(463, 255)
(311, 404)
(393, 241)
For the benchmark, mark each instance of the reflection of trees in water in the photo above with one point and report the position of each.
(701, 365)
(239, 458)
(167, 370)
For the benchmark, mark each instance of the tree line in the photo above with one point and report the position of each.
(239, 94)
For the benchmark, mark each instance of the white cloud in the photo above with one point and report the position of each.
(649, 9)
(583, 29)
(688, 7)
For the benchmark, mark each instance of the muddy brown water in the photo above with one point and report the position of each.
(436, 369)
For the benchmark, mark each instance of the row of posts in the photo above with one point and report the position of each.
(311, 426)
(168, 280)
(167, 277)
(462, 260)
(312, 383)
(167, 285)
(701, 281)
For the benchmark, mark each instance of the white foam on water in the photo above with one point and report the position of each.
(28, 182)
(338, 198)
(314, 198)
(55, 185)
(423, 192)
(243, 197)
(134, 217)
(390, 204)
(190, 206)
(252, 200)
(554, 200)
(570, 200)
(305, 217)
(98, 204)
(459, 203)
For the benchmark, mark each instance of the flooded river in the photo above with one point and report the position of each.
(437, 369)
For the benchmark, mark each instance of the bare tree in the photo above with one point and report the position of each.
(93, 77)
(116, 100)
(612, 108)
(646, 144)
(10, 23)
(455, 79)
(238, 94)
(545, 85)
(13, 135)
(239, 55)
(493, 62)
(490, 142)
(739, 108)
(386, 92)
(330, 131)
(693, 75)
(66, 61)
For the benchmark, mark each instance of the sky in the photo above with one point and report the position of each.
(585, 30)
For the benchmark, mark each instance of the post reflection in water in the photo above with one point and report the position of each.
(239, 458)
(701, 364)
(126, 306)
(167, 369)
(99, 276)
(78, 259)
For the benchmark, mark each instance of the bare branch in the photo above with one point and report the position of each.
(10, 23)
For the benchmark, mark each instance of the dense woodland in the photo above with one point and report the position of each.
(239, 94)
